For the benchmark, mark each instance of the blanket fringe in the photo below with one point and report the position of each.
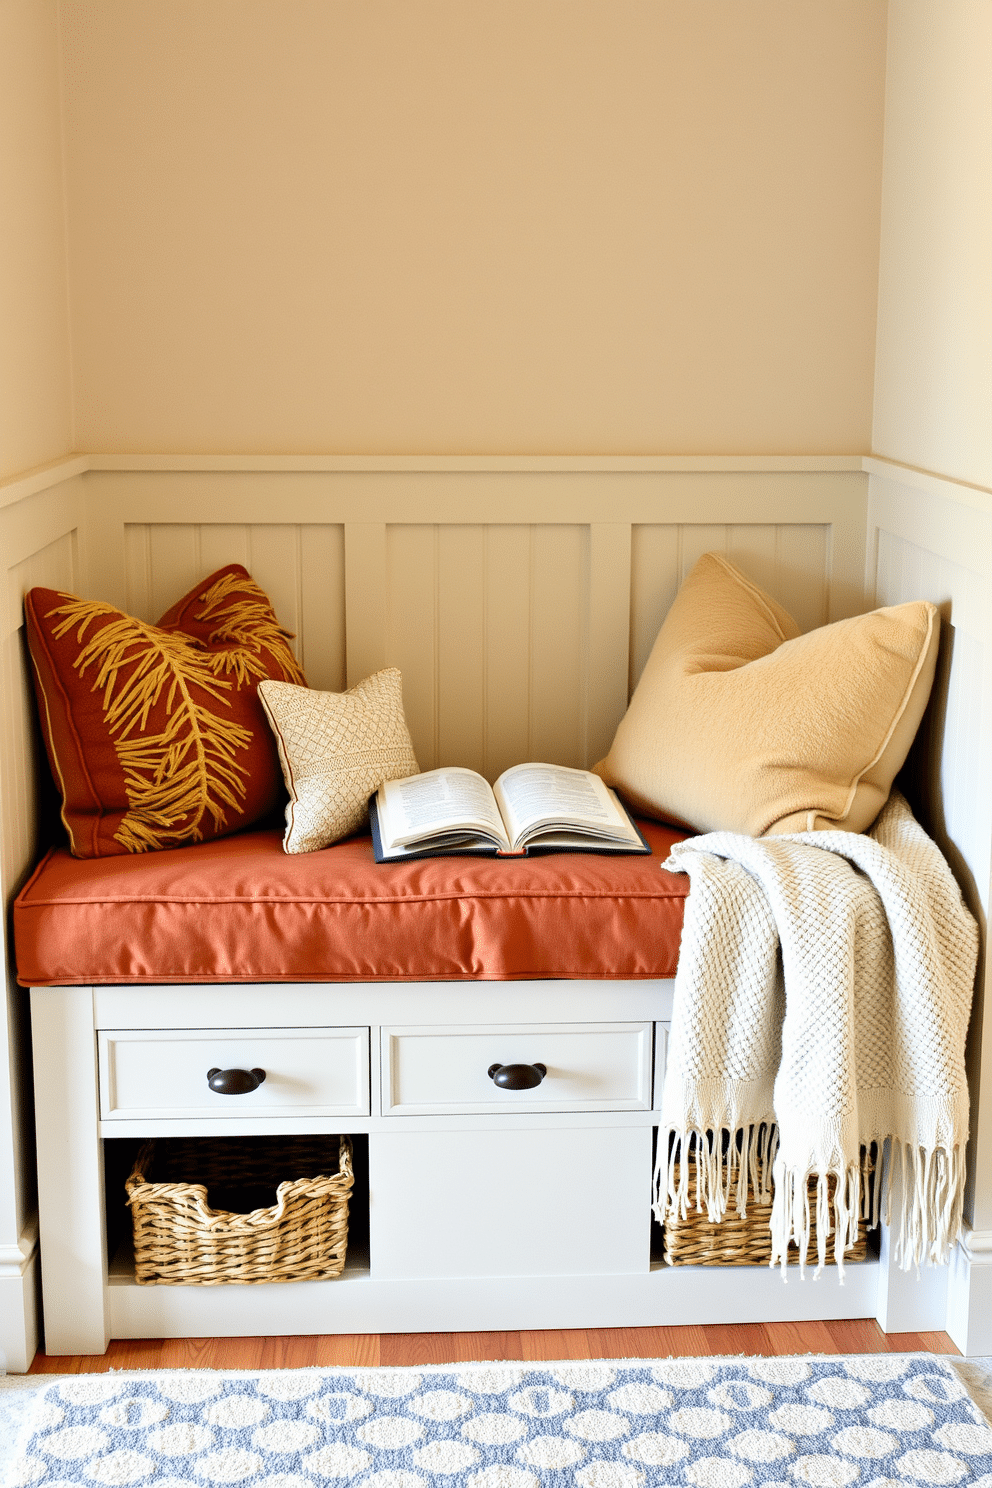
(727, 1163)
(923, 1188)
(838, 1213)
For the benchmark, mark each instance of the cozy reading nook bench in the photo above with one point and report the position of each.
(475, 1206)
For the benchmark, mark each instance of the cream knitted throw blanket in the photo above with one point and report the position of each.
(821, 1005)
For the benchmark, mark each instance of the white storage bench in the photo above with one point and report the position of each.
(477, 1206)
(487, 1208)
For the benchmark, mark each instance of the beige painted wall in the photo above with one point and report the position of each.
(35, 402)
(933, 392)
(457, 226)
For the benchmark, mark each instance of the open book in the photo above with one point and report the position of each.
(531, 808)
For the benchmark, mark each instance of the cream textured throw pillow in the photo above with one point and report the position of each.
(741, 724)
(336, 748)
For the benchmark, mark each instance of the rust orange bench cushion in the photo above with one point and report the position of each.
(239, 909)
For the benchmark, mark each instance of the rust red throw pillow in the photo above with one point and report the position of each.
(155, 733)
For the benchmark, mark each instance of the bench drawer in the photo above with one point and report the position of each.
(162, 1073)
(589, 1067)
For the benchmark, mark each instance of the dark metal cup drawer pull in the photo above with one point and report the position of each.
(234, 1081)
(517, 1076)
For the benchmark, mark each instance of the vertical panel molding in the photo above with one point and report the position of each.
(608, 648)
(365, 598)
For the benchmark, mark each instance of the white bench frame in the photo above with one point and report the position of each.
(477, 1222)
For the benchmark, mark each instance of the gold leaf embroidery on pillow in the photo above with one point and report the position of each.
(244, 627)
(189, 770)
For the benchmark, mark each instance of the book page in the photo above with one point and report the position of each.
(532, 794)
(437, 801)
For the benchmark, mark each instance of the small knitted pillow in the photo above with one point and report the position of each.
(336, 749)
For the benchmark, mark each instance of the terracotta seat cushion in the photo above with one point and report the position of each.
(239, 909)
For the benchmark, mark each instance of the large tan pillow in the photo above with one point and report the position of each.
(740, 723)
(336, 749)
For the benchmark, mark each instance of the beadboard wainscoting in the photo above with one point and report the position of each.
(520, 602)
(931, 538)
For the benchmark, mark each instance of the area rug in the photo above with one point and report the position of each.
(878, 1420)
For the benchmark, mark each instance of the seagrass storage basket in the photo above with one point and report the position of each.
(211, 1211)
(693, 1241)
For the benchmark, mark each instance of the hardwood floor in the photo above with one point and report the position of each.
(859, 1336)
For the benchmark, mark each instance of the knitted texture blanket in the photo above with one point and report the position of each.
(821, 1006)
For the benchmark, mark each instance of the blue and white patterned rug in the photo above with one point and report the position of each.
(876, 1420)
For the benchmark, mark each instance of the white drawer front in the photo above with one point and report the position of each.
(163, 1072)
(590, 1067)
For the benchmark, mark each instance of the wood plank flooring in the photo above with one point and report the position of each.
(858, 1336)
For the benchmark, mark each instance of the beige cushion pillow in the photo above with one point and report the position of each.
(336, 748)
(740, 723)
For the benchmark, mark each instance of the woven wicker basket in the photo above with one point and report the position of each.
(693, 1241)
(240, 1209)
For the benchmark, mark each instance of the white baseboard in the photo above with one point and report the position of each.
(672, 1296)
(19, 1301)
(969, 1294)
(913, 1301)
